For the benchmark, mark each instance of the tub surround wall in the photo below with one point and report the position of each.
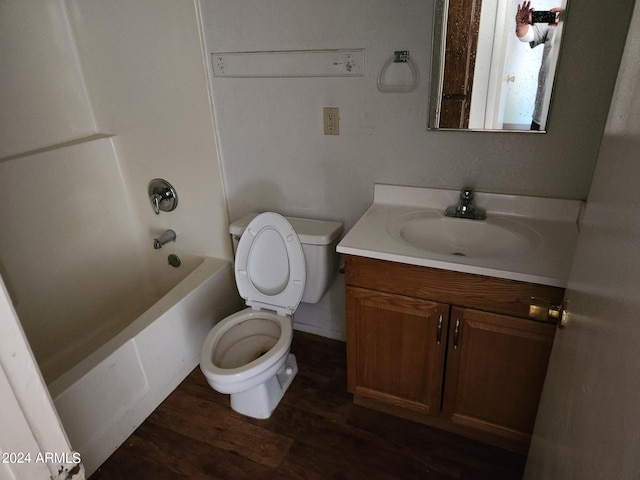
(42, 92)
(73, 267)
(143, 66)
(275, 156)
(78, 215)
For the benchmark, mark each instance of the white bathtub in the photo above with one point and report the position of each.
(104, 398)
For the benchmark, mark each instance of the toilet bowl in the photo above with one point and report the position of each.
(247, 355)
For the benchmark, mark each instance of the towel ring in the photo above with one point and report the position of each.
(401, 56)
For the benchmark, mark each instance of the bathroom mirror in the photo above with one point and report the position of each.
(483, 76)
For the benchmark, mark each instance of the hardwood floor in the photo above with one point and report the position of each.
(315, 433)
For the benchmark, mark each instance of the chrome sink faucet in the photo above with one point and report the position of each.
(166, 237)
(465, 208)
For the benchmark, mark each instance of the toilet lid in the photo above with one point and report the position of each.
(269, 265)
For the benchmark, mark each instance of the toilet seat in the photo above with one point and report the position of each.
(269, 266)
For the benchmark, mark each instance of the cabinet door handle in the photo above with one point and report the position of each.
(456, 333)
(439, 330)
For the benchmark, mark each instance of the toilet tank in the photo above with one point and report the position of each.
(319, 239)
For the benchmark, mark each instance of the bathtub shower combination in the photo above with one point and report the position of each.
(114, 323)
(104, 397)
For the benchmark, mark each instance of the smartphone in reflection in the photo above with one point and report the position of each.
(544, 16)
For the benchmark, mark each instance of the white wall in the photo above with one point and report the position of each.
(273, 150)
(275, 156)
(588, 426)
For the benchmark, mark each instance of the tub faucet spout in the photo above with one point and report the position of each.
(166, 237)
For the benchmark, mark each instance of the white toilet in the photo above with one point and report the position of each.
(247, 354)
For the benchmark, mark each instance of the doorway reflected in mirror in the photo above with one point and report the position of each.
(486, 76)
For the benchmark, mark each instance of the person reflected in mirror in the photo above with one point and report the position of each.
(537, 34)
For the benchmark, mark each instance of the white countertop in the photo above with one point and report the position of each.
(556, 221)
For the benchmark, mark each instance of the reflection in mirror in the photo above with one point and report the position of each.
(492, 66)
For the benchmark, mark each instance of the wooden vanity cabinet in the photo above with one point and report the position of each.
(398, 345)
(453, 350)
(495, 371)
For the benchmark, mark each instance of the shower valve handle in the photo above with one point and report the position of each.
(155, 203)
(162, 195)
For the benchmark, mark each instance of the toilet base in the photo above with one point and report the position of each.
(261, 400)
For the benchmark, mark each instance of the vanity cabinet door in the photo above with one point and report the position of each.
(496, 367)
(396, 349)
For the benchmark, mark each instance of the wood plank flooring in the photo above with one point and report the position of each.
(315, 433)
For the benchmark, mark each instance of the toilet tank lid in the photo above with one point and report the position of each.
(310, 232)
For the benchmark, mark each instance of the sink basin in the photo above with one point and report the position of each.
(495, 237)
